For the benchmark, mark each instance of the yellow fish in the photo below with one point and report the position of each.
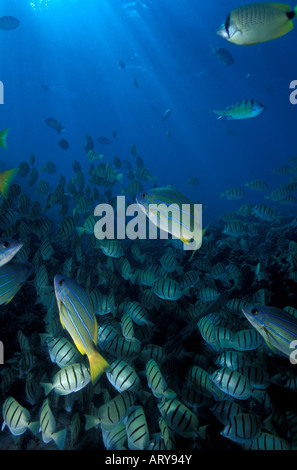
(257, 22)
(5, 178)
(245, 109)
(78, 318)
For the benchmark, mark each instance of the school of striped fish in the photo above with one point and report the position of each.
(137, 344)
(113, 344)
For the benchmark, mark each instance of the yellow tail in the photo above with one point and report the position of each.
(3, 135)
(98, 365)
(5, 178)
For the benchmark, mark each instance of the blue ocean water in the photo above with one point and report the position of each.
(112, 68)
(62, 61)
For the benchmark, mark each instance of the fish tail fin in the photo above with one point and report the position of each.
(47, 387)
(59, 438)
(3, 135)
(34, 426)
(91, 422)
(5, 179)
(219, 113)
(295, 10)
(98, 365)
(120, 177)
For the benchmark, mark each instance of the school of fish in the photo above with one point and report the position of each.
(129, 344)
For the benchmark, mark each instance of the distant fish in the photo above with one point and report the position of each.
(64, 144)
(90, 143)
(245, 109)
(166, 114)
(136, 83)
(104, 140)
(193, 181)
(54, 124)
(8, 22)
(133, 150)
(3, 135)
(223, 54)
(121, 65)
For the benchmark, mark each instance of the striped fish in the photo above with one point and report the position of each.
(8, 249)
(17, 418)
(46, 249)
(116, 438)
(137, 429)
(257, 185)
(244, 109)
(127, 326)
(33, 176)
(78, 318)
(111, 248)
(277, 327)
(156, 381)
(225, 410)
(69, 379)
(234, 384)
(112, 413)
(179, 417)
(183, 222)
(246, 340)
(66, 228)
(167, 289)
(48, 426)
(123, 376)
(7, 218)
(243, 428)
(12, 277)
(267, 441)
(233, 194)
(137, 312)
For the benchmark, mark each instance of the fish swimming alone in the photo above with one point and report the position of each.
(257, 22)
(244, 109)
(78, 318)
(277, 327)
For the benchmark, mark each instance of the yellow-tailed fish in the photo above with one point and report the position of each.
(245, 109)
(257, 22)
(12, 277)
(182, 222)
(277, 327)
(8, 248)
(5, 179)
(78, 318)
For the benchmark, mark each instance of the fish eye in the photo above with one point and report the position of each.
(254, 311)
(61, 283)
(5, 244)
(143, 195)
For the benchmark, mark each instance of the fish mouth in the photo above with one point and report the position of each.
(222, 31)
